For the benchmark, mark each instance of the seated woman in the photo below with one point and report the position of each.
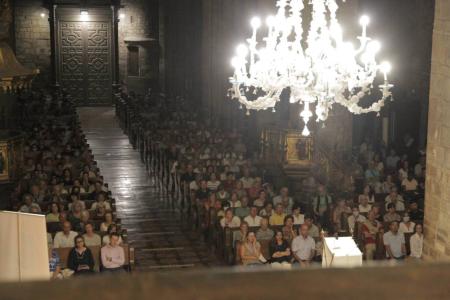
(101, 201)
(77, 185)
(367, 194)
(240, 190)
(261, 200)
(108, 221)
(53, 215)
(213, 183)
(299, 218)
(100, 213)
(280, 252)
(234, 201)
(75, 198)
(239, 236)
(111, 228)
(416, 242)
(288, 229)
(80, 258)
(86, 183)
(406, 226)
(250, 250)
(222, 194)
(267, 211)
(67, 178)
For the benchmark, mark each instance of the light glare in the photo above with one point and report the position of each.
(255, 22)
(364, 20)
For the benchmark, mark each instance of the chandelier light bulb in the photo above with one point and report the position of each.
(306, 131)
(242, 50)
(364, 20)
(255, 22)
(270, 21)
(235, 62)
(374, 47)
(386, 67)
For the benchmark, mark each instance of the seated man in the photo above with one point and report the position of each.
(264, 233)
(303, 247)
(354, 218)
(394, 241)
(230, 220)
(284, 194)
(395, 199)
(29, 206)
(65, 238)
(277, 218)
(415, 213)
(253, 220)
(392, 214)
(113, 255)
(244, 210)
(313, 230)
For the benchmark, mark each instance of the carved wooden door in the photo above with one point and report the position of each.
(84, 58)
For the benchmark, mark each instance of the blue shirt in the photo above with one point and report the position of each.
(54, 261)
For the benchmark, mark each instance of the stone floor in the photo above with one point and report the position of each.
(160, 235)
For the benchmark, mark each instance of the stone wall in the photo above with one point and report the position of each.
(437, 197)
(139, 27)
(32, 32)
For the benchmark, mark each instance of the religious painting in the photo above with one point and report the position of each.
(298, 148)
(4, 174)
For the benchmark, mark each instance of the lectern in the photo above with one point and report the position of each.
(24, 250)
(341, 252)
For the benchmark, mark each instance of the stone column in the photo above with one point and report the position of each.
(437, 197)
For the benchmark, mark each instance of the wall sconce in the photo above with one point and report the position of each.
(42, 15)
(84, 15)
(121, 16)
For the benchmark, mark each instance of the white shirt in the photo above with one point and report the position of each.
(299, 220)
(303, 247)
(416, 245)
(235, 222)
(278, 199)
(399, 206)
(247, 182)
(253, 222)
(63, 241)
(213, 185)
(352, 221)
(405, 229)
(364, 209)
(94, 240)
(395, 242)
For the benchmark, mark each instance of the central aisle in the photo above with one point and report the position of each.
(157, 232)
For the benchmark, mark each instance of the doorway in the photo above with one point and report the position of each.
(84, 54)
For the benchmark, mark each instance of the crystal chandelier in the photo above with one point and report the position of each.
(319, 70)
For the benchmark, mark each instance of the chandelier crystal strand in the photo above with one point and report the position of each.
(319, 71)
